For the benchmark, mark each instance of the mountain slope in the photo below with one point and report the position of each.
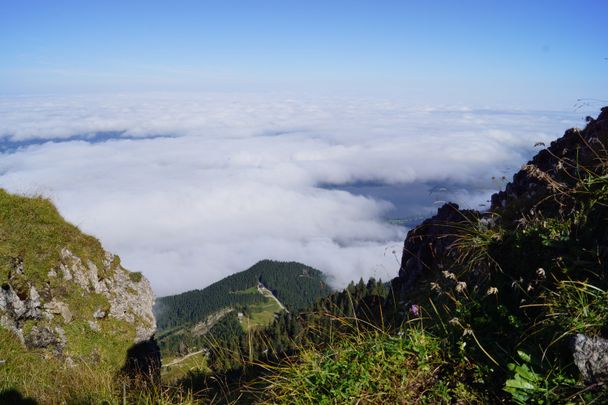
(293, 284)
(223, 312)
(64, 300)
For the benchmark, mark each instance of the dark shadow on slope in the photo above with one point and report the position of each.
(142, 365)
(241, 385)
(14, 397)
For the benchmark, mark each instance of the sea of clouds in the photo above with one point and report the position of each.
(191, 188)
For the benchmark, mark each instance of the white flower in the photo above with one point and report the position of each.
(461, 286)
(448, 275)
(540, 272)
(492, 291)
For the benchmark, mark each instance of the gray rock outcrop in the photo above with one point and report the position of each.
(129, 300)
(591, 357)
(126, 299)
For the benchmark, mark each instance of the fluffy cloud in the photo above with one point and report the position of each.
(191, 188)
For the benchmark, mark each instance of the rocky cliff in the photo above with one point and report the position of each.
(62, 295)
(522, 287)
(539, 189)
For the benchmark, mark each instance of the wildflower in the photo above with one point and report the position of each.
(461, 286)
(540, 272)
(492, 291)
(414, 310)
(454, 321)
(467, 331)
(435, 287)
(530, 288)
(448, 275)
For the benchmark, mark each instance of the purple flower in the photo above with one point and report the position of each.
(414, 310)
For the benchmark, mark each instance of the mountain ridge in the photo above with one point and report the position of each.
(253, 297)
(275, 275)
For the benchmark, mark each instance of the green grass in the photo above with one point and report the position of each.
(261, 314)
(38, 375)
(109, 345)
(33, 231)
(369, 367)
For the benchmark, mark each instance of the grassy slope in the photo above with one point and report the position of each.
(260, 314)
(369, 367)
(33, 231)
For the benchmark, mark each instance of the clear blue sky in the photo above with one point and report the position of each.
(481, 52)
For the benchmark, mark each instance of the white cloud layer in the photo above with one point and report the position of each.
(192, 188)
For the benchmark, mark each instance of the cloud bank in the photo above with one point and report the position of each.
(191, 188)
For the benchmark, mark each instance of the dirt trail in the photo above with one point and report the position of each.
(176, 361)
(267, 293)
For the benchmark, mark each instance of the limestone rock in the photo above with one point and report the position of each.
(94, 326)
(59, 308)
(591, 357)
(73, 266)
(128, 299)
(10, 303)
(131, 301)
(44, 336)
(33, 304)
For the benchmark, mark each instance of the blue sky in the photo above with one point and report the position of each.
(528, 53)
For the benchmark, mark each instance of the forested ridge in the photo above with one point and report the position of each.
(294, 284)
